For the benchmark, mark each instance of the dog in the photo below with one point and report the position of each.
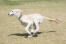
(32, 20)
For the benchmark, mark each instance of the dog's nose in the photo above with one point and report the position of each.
(8, 14)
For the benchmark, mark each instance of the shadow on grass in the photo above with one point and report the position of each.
(23, 34)
(50, 31)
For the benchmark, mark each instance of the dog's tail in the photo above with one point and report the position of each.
(48, 18)
(57, 20)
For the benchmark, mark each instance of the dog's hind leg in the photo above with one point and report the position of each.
(27, 29)
(36, 28)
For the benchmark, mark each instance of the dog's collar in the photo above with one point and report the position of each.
(20, 17)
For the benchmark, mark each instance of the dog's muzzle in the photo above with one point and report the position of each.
(10, 14)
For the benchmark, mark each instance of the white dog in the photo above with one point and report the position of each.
(32, 20)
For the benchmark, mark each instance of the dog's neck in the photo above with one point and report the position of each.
(19, 17)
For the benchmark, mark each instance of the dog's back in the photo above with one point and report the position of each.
(33, 17)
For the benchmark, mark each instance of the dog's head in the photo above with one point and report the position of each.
(15, 12)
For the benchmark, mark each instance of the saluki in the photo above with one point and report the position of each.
(32, 20)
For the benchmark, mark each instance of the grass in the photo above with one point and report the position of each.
(18, 2)
(52, 33)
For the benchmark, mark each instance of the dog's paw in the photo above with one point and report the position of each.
(29, 36)
(35, 35)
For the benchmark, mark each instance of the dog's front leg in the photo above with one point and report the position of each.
(27, 29)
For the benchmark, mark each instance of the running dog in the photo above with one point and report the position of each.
(32, 20)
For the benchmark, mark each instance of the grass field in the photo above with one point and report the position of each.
(52, 33)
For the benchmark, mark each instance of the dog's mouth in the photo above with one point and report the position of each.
(10, 14)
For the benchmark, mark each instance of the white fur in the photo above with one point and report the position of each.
(30, 19)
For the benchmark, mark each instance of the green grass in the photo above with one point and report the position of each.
(18, 2)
